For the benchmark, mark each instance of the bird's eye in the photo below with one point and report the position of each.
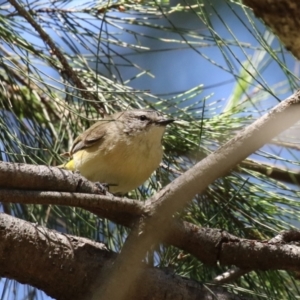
(143, 118)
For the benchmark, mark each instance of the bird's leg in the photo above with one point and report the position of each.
(104, 187)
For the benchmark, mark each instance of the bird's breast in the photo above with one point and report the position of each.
(125, 163)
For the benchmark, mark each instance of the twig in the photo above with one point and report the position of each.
(272, 171)
(230, 275)
(121, 210)
(286, 144)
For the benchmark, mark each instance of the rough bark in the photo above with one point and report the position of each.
(282, 16)
(65, 266)
(220, 246)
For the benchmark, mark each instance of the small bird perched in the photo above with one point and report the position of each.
(121, 150)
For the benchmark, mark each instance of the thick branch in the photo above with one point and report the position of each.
(185, 236)
(43, 178)
(65, 266)
(282, 16)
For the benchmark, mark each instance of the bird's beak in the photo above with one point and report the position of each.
(164, 122)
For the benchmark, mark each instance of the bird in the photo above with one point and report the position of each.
(122, 150)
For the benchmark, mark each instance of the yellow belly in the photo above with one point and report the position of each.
(122, 167)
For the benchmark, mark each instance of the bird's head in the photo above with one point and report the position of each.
(143, 121)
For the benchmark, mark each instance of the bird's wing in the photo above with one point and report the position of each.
(90, 137)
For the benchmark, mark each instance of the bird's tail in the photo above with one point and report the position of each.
(68, 165)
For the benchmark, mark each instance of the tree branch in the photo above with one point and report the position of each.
(183, 235)
(119, 210)
(282, 16)
(31, 177)
(272, 171)
(174, 196)
(65, 266)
